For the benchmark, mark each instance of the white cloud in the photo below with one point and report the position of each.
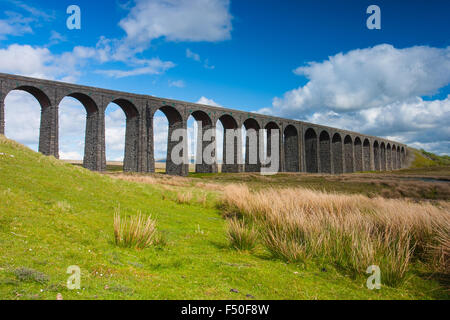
(115, 124)
(192, 55)
(177, 84)
(368, 78)
(377, 91)
(160, 135)
(22, 118)
(210, 102)
(40, 62)
(71, 155)
(177, 20)
(152, 66)
(17, 24)
(34, 12)
(196, 57)
(14, 25)
(56, 37)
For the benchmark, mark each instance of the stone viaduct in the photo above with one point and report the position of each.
(304, 147)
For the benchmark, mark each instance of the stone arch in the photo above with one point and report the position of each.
(88, 103)
(268, 128)
(399, 159)
(366, 155)
(48, 129)
(131, 151)
(388, 157)
(358, 155)
(252, 161)
(291, 154)
(206, 138)
(37, 93)
(382, 156)
(348, 154)
(338, 160)
(231, 159)
(181, 165)
(325, 152)
(94, 146)
(376, 155)
(394, 157)
(311, 151)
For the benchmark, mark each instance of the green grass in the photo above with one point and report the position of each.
(425, 159)
(54, 215)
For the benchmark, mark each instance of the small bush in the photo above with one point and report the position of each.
(240, 236)
(135, 232)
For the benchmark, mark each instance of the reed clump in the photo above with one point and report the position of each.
(138, 231)
(350, 231)
(241, 236)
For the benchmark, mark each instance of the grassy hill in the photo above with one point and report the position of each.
(54, 215)
(423, 159)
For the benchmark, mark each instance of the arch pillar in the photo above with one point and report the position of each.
(147, 141)
(94, 148)
(236, 144)
(49, 131)
(177, 144)
(130, 160)
(269, 150)
(252, 151)
(2, 111)
(282, 149)
(204, 140)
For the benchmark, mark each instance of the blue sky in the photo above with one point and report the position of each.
(248, 55)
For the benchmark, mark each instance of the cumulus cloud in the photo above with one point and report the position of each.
(209, 102)
(368, 78)
(415, 121)
(177, 20)
(22, 118)
(40, 62)
(377, 91)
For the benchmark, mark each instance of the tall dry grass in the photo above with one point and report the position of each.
(135, 232)
(351, 231)
(241, 236)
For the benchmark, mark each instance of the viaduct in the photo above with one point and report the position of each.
(304, 147)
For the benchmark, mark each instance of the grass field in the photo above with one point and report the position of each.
(54, 215)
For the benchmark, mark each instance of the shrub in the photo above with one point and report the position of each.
(240, 236)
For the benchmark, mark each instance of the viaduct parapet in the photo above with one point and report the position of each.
(304, 147)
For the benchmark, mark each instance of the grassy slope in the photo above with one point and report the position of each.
(423, 159)
(53, 215)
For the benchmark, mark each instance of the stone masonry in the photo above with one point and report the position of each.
(304, 147)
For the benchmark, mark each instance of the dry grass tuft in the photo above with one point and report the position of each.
(135, 232)
(351, 231)
(241, 237)
(154, 179)
(184, 197)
